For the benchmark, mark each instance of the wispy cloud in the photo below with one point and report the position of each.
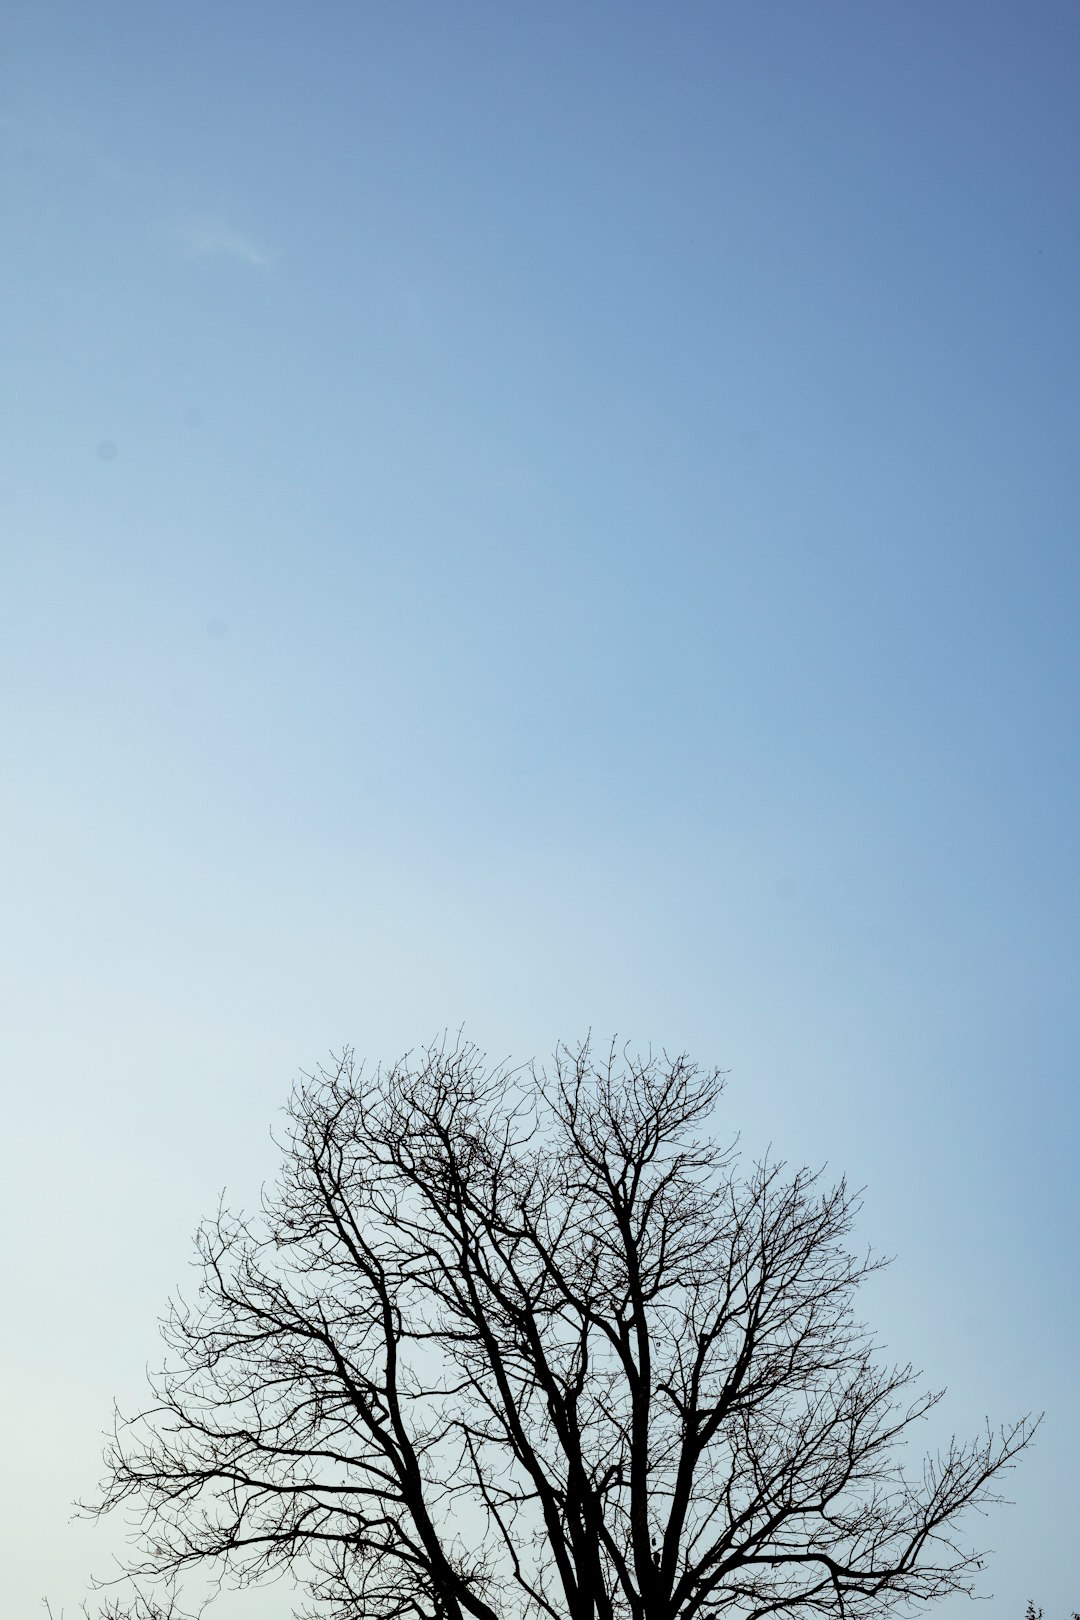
(209, 236)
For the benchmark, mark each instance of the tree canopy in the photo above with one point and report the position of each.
(505, 1344)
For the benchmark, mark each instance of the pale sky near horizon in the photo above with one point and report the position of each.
(541, 517)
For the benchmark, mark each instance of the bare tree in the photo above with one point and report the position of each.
(502, 1344)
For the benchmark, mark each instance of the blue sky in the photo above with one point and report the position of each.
(541, 518)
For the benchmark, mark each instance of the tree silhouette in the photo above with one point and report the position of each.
(502, 1345)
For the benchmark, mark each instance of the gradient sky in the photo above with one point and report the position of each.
(541, 517)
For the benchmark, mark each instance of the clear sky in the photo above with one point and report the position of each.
(541, 516)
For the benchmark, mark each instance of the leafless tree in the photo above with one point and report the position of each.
(515, 1346)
